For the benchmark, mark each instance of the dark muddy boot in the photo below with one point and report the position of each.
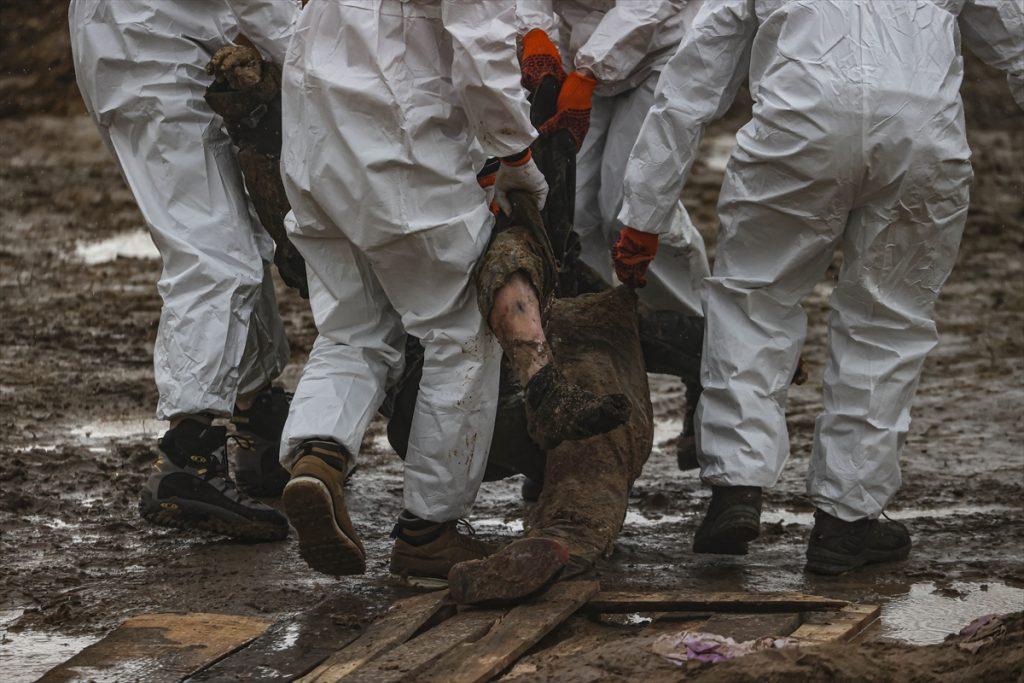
(686, 447)
(531, 490)
(425, 551)
(558, 410)
(838, 546)
(314, 500)
(732, 521)
(192, 489)
(517, 571)
(258, 469)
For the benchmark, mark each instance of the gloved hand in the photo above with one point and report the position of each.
(540, 58)
(573, 109)
(519, 172)
(486, 178)
(632, 254)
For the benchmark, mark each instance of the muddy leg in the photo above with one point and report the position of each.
(515, 320)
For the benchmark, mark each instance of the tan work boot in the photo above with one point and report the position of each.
(314, 500)
(425, 551)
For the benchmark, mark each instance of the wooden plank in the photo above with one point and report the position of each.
(512, 636)
(406, 661)
(400, 623)
(683, 601)
(841, 625)
(741, 627)
(293, 646)
(159, 647)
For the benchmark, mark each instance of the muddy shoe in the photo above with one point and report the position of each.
(191, 488)
(686, 447)
(258, 470)
(558, 410)
(517, 571)
(426, 551)
(314, 500)
(837, 546)
(732, 521)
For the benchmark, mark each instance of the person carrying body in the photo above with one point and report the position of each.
(140, 65)
(857, 141)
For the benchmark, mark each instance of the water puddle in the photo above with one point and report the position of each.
(139, 427)
(638, 518)
(498, 525)
(926, 614)
(28, 654)
(132, 244)
(787, 517)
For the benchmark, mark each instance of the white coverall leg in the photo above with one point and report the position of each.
(140, 68)
(857, 139)
(381, 102)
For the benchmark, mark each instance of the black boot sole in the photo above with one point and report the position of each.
(730, 533)
(323, 544)
(828, 563)
(182, 513)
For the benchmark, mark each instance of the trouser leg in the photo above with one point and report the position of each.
(588, 220)
(266, 349)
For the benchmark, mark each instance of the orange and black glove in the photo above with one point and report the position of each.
(540, 58)
(486, 178)
(632, 254)
(573, 110)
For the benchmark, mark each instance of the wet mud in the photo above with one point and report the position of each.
(76, 435)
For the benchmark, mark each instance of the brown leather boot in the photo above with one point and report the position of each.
(426, 551)
(314, 500)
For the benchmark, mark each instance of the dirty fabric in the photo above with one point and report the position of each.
(857, 140)
(710, 648)
(140, 68)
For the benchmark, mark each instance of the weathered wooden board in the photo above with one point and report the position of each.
(159, 647)
(742, 627)
(400, 623)
(406, 661)
(513, 635)
(841, 625)
(291, 647)
(680, 601)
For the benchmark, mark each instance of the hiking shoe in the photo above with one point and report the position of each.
(314, 500)
(686, 447)
(558, 410)
(426, 551)
(192, 489)
(519, 570)
(838, 546)
(258, 468)
(732, 521)
(531, 490)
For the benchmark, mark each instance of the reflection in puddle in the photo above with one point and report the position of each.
(133, 244)
(27, 655)
(925, 616)
(498, 525)
(807, 518)
(142, 427)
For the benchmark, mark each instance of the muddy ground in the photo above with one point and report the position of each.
(76, 427)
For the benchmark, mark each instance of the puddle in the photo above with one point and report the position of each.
(121, 429)
(925, 616)
(498, 525)
(132, 244)
(636, 518)
(27, 655)
(807, 518)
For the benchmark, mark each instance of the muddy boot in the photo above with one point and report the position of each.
(531, 490)
(426, 551)
(733, 520)
(558, 410)
(837, 546)
(192, 489)
(686, 447)
(314, 500)
(517, 571)
(258, 470)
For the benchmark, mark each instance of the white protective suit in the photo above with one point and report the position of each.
(625, 45)
(140, 68)
(390, 108)
(857, 140)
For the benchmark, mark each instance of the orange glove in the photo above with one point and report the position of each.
(540, 58)
(573, 109)
(632, 254)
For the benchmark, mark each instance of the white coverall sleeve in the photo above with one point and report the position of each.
(267, 23)
(531, 14)
(994, 30)
(623, 38)
(698, 85)
(486, 76)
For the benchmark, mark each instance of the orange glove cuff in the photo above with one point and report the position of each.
(536, 42)
(577, 91)
(648, 242)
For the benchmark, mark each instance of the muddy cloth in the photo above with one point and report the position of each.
(252, 115)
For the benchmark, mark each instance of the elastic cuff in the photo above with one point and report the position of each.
(518, 159)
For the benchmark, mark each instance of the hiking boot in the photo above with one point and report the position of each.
(686, 447)
(531, 490)
(838, 546)
(314, 500)
(258, 469)
(520, 569)
(426, 551)
(732, 521)
(558, 410)
(192, 489)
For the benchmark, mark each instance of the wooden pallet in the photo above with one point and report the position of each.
(426, 638)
